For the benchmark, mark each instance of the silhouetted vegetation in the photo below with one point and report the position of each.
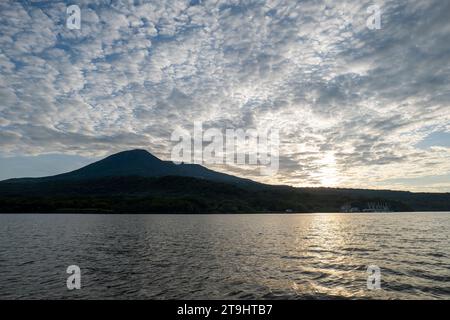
(176, 194)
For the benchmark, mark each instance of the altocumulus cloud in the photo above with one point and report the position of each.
(352, 104)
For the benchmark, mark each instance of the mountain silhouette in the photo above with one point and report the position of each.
(136, 181)
(140, 163)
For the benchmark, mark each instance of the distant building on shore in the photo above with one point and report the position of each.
(370, 207)
(377, 207)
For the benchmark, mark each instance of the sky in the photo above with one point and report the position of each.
(355, 106)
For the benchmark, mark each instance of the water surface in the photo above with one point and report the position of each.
(298, 256)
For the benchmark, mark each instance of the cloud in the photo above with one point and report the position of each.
(352, 104)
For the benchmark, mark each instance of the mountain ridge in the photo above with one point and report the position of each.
(141, 163)
(138, 182)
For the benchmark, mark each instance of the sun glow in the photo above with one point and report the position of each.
(327, 174)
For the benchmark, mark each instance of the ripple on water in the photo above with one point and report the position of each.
(225, 256)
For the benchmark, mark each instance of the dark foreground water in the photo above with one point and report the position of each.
(318, 256)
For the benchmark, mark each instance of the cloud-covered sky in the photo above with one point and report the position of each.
(355, 107)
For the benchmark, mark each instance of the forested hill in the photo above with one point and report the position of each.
(180, 194)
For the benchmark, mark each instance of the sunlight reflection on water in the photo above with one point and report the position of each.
(299, 256)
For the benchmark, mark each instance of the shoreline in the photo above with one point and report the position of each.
(222, 213)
